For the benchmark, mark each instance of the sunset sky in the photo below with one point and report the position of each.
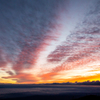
(47, 41)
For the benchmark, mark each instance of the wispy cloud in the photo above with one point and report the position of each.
(82, 43)
(26, 28)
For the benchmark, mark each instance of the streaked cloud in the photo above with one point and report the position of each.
(82, 43)
(28, 27)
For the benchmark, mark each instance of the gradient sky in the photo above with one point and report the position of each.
(46, 41)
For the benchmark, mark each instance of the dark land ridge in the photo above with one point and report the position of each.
(56, 97)
(39, 85)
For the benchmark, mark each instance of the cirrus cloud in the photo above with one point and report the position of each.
(26, 28)
(82, 45)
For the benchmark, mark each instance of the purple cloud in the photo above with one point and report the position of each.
(83, 42)
(26, 28)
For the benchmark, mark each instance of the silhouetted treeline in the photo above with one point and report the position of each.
(81, 83)
(88, 83)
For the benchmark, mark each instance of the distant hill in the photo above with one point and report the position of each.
(39, 85)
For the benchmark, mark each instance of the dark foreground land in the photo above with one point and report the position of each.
(54, 97)
(49, 92)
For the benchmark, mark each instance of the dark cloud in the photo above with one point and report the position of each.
(26, 28)
(10, 72)
(3, 61)
(83, 42)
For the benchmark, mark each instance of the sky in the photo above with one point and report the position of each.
(48, 41)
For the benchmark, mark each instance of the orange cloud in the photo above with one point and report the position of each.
(22, 78)
(48, 77)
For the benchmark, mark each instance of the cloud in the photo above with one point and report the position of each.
(27, 27)
(22, 78)
(82, 43)
(48, 76)
(10, 72)
(60, 53)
